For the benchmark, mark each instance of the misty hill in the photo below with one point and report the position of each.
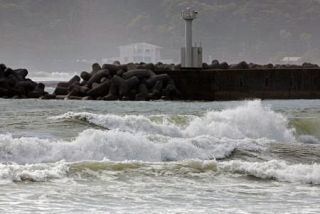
(46, 33)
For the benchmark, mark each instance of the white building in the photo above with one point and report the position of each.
(140, 52)
(292, 60)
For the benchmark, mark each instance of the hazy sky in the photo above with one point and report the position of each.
(52, 35)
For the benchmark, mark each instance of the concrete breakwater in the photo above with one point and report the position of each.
(238, 84)
(15, 84)
(217, 81)
(118, 82)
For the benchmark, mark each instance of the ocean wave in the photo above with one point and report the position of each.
(275, 170)
(251, 120)
(308, 139)
(94, 168)
(32, 172)
(306, 126)
(85, 170)
(117, 145)
(131, 123)
(270, 170)
(215, 135)
(98, 170)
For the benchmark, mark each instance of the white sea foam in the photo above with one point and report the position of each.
(114, 145)
(131, 123)
(213, 136)
(269, 170)
(99, 170)
(275, 169)
(251, 120)
(32, 172)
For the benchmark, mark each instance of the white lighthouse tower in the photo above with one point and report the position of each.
(191, 57)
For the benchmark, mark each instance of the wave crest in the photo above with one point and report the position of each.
(251, 120)
(32, 172)
(270, 170)
(114, 145)
(275, 169)
(214, 135)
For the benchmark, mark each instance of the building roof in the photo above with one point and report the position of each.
(141, 44)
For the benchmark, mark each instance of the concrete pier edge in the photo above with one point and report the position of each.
(238, 84)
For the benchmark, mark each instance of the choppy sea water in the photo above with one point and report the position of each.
(159, 157)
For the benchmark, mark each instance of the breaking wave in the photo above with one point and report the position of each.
(116, 145)
(251, 120)
(130, 123)
(214, 135)
(270, 170)
(275, 170)
(32, 172)
(159, 145)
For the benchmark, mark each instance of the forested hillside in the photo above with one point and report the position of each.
(51, 33)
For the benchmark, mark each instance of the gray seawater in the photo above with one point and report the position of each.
(159, 157)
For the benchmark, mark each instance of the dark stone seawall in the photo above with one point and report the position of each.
(235, 84)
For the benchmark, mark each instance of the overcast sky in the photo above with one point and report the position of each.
(51, 35)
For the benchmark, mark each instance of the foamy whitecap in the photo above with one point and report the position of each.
(275, 169)
(32, 172)
(251, 120)
(115, 145)
(131, 123)
(213, 136)
(99, 170)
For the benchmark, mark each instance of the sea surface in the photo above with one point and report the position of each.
(159, 157)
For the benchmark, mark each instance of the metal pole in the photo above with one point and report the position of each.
(188, 43)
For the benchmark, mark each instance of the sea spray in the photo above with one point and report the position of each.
(251, 120)
(214, 135)
(62, 167)
(115, 145)
(130, 123)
